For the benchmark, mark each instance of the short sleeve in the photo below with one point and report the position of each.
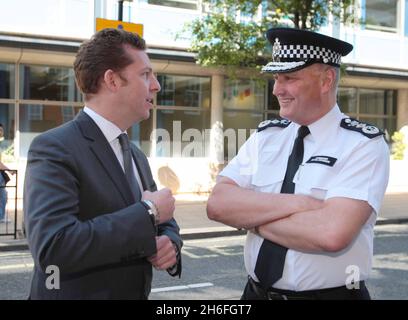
(365, 174)
(243, 165)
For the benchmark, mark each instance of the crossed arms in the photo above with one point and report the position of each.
(298, 222)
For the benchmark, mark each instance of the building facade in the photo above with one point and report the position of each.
(200, 117)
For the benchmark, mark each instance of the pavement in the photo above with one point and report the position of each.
(194, 224)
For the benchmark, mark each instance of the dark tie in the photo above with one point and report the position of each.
(128, 166)
(271, 257)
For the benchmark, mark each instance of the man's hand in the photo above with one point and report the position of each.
(164, 201)
(166, 254)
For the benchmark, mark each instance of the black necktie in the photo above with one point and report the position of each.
(271, 257)
(128, 166)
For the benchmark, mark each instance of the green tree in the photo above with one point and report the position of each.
(398, 146)
(232, 33)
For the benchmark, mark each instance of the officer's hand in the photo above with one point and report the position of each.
(166, 254)
(164, 201)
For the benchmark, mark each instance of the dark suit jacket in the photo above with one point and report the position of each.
(81, 217)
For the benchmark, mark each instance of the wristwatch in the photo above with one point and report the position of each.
(153, 211)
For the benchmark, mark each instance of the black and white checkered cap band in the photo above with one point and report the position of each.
(309, 52)
(294, 54)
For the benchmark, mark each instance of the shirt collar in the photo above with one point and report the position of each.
(319, 130)
(109, 129)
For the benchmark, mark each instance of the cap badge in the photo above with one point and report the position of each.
(276, 50)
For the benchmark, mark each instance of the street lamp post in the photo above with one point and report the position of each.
(120, 11)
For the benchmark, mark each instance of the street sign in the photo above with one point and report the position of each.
(128, 26)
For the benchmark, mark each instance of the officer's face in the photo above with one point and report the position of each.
(300, 94)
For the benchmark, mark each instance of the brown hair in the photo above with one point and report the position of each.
(105, 50)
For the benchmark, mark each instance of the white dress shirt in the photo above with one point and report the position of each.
(111, 133)
(360, 171)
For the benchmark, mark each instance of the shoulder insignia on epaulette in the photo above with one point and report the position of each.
(364, 128)
(281, 123)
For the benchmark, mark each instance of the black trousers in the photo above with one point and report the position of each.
(253, 291)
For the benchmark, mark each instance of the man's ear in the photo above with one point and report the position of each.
(329, 80)
(111, 80)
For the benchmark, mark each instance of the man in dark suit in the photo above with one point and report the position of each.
(92, 209)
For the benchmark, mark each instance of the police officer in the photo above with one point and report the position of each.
(307, 187)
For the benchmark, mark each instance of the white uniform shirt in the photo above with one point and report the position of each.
(360, 171)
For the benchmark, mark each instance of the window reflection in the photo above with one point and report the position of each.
(7, 130)
(48, 83)
(183, 4)
(37, 118)
(244, 107)
(7, 81)
(183, 91)
(381, 14)
(182, 133)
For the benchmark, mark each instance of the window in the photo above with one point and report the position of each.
(183, 91)
(381, 15)
(6, 81)
(68, 113)
(48, 83)
(182, 116)
(140, 133)
(377, 107)
(35, 112)
(40, 86)
(7, 117)
(183, 4)
(7, 130)
(37, 118)
(244, 107)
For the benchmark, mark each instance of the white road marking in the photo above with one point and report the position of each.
(17, 266)
(186, 287)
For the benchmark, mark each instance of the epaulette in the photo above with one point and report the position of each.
(281, 123)
(366, 129)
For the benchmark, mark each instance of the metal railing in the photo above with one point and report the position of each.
(7, 227)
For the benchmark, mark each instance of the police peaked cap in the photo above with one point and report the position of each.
(295, 49)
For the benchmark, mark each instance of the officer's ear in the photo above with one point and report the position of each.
(328, 79)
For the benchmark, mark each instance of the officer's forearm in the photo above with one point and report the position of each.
(243, 208)
(330, 229)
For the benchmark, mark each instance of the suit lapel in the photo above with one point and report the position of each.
(105, 155)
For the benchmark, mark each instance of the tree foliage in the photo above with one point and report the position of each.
(232, 33)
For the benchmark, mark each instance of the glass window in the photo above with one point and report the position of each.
(48, 83)
(273, 103)
(182, 133)
(347, 100)
(244, 106)
(7, 81)
(183, 91)
(140, 133)
(406, 18)
(182, 115)
(7, 123)
(374, 101)
(183, 4)
(36, 118)
(381, 14)
(238, 126)
(244, 94)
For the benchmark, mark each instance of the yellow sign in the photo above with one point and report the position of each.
(131, 27)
